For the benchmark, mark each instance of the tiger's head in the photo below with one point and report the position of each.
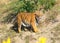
(38, 16)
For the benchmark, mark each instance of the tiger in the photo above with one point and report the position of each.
(27, 19)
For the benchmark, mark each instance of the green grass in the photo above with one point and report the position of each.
(47, 4)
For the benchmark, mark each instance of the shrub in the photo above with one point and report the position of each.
(47, 4)
(29, 5)
(32, 5)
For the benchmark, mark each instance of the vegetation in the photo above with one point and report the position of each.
(27, 5)
(47, 4)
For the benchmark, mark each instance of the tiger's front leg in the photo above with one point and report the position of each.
(33, 24)
(19, 24)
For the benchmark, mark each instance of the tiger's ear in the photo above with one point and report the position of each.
(35, 14)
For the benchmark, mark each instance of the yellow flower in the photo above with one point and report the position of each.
(7, 41)
(4, 41)
(42, 40)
